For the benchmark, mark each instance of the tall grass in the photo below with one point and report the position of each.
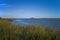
(9, 31)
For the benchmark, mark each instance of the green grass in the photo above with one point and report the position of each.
(9, 31)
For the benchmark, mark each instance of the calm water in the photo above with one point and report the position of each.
(46, 22)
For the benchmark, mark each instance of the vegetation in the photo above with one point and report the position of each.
(9, 31)
(8, 19)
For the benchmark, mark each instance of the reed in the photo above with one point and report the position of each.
(9, 31)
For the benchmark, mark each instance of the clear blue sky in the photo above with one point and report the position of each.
(30, 8)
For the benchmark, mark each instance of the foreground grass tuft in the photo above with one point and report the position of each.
(9, 31)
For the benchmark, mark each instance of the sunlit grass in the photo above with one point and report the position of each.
(9, 31)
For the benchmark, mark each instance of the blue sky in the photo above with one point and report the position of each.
(30, 8)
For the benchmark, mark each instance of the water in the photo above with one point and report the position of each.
(46, 22)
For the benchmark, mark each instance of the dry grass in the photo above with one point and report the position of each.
(9, 31)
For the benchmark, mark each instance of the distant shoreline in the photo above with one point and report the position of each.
(34, 18)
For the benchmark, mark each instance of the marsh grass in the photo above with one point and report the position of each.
(9, 31)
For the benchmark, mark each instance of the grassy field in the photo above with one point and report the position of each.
(9, 31)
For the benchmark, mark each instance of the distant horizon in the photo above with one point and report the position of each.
(18, 17)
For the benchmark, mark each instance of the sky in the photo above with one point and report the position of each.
(30, 8)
